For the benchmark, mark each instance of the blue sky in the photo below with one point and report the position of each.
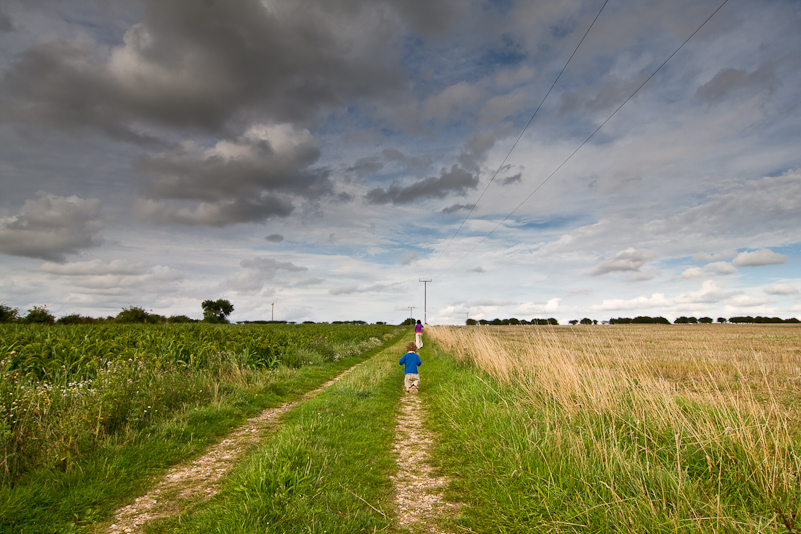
(325, 156)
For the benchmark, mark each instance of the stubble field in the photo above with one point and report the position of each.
(640, 428)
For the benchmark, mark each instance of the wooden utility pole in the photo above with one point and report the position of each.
(425, 307)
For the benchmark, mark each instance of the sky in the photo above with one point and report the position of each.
(316, 160)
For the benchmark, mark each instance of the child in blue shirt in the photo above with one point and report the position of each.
(411, 361)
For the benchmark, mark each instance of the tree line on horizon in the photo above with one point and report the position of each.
(214, 311)
(640, 319)
(217, 311)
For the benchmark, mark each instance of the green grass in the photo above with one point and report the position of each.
(538, 438)
(58, 499)
(326, 469)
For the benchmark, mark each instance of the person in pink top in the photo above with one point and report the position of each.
(418, 334)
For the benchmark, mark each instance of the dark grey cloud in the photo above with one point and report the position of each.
(52, 227)
(366, 166)
(728, 81)
(610, 93)
(781, 289)
(517, 178)
(454, 208)
(6, 24)
(223, 212)
(249, 179)
(210, 65)
(455, 181)
(758, 258)
(626, 261)
(274, 238)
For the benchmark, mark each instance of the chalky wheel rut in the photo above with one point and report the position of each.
(418, 500)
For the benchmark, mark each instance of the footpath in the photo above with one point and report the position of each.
(366, 464)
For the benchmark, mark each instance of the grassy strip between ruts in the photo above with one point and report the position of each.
(326, 469)
(52, 501)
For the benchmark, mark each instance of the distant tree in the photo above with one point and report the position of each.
(132, 314)
(74, 318)
(180, 319)
(792, 320)
(586, 321)
(8, 314)
(39, 315)
(705, 320)
(409, 321)
(721, 320)
(216, 311)
(471, 322)
(573, 322)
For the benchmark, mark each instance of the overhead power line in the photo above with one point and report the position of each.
(495, 174)
(588, 137)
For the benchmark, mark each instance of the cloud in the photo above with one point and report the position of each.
(274, 238)
(656, 300)
(611, 92)
(730, 80)
(50, 227)
(455, 181)
(718, 267)
(250, 179)
(478, 269)
(94, 268)
(210, 65)
(781, 289)
(721, 267)
(533, 308)
(406, 162)
(255, 272)
(6, 24)
(759, 258)
(747, 301)
(116, 277)
(454, 208)
(710, 293)
(366, 166)
(715, 256)
(694, 272)
(409, 257)
(627, 260)
(377, 288)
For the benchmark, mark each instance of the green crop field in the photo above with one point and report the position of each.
(72, 394)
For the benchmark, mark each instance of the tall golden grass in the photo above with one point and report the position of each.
(729, 393)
